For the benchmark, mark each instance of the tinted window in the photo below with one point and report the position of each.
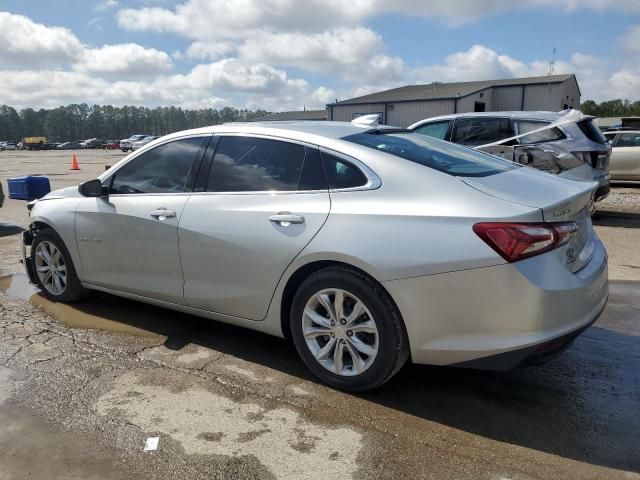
(436, 129)
(629, 140)
(548, 135)
(478, 131)
(247, 164)
(442, 156)
(591, 131)
(164, 169)
(342, 174)
(610, 136)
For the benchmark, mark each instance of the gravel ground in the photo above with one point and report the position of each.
(622, 199)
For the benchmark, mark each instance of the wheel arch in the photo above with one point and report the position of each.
(303, 272)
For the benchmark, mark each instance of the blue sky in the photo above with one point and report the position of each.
(290, 54)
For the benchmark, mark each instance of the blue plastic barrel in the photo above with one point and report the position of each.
(28, 188)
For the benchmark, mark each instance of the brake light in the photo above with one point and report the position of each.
(516, 241)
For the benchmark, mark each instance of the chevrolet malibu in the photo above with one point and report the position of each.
(365, 245)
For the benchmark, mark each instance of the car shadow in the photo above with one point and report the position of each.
(583, 406)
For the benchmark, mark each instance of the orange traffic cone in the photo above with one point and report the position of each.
(74, 163)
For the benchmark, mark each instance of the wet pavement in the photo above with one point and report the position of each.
(231, 403)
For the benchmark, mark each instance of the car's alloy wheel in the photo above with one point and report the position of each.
(51, 268)
(340, 332)
(347, 329)
(54, 270)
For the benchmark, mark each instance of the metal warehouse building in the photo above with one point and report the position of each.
(294, 115)
(405, 105)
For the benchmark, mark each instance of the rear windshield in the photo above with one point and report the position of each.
(442, 156)
(591, 131)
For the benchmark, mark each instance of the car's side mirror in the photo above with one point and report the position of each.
(93, 188)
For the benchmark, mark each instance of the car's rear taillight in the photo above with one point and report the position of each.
(516, 241)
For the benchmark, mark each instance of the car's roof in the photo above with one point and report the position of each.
(622, 130)
(292, 129)
(533, 115)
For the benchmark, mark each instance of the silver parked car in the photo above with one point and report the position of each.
(126, 144)
(364, 245)
(625, 157)
(576, 149)
(141, 143)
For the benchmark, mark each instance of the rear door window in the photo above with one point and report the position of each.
(250, 164)
(434, 129)
(548, 135)
(479, 131)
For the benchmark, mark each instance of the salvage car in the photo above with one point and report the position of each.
(625, 156)
(365, 245)
(575, 149)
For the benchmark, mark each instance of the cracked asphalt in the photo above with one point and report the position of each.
(82, 387)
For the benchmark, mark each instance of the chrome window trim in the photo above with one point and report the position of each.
(373, 181)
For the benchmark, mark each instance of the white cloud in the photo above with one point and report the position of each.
(233, 75)
(107, 4)
(348, 52)
(321, 96)
(25, 42)
(209, 51)
(123, 59)
(239, 18)
(216, 19)
(477, 63)
(625, 83)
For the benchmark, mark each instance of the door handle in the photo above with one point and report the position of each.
(163, 214)
(285, 219)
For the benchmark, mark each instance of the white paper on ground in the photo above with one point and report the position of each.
(151, 444)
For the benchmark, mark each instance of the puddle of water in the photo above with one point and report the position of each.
(104, 312)
(17, 286)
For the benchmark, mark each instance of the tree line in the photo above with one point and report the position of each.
(81, 121)
(611, 108)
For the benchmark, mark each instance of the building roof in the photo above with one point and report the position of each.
(294, 115)
(437, 90)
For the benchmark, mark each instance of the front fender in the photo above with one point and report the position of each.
(60, 214)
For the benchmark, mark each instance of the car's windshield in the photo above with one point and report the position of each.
(443, 156)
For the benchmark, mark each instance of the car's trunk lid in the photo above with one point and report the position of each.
(559, 199)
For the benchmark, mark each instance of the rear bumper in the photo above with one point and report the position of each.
(532, 355)
(507, 311)
(604, 187)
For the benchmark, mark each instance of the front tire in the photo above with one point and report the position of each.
(347, 330)
(55, 273)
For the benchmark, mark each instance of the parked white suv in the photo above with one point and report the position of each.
(625, 156)
(576, 149)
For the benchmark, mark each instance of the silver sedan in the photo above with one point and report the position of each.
(365, 245)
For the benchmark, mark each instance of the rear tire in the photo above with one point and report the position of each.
(53, 267)
(358, 342)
